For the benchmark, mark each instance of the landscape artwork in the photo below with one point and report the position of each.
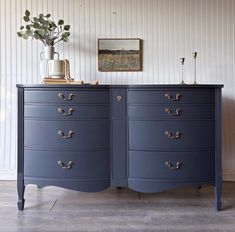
(119, 55)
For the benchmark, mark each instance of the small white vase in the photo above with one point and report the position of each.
(48, 54)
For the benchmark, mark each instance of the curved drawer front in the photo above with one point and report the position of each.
(66, 112)
(171, 96)
(83, 164)
(158, 135)
(65, 96)
(171, 112)
(67, 134)
(163, 165)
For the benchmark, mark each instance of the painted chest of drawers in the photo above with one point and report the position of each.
(149, 138)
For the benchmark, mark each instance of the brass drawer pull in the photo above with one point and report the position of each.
(68, 166)
(177, 166)
(171, 136)
(70, 111)
(169, 97)
(63, 136)
(70, 97)
(119, 98)
(169, 111)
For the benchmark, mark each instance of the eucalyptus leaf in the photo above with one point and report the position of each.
(25, 36)
(36, 36)
(41, 20)
(29, 32)
(38, 33)
(35, 19)
(46, 25)
(26, 19)
(65, 39)
(66, 34)
(67, 27)
(20, 34)
(36, 25)
(61, 22)
(28, 27)
(27, 13)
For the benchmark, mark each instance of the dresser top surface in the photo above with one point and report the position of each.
(146, 86)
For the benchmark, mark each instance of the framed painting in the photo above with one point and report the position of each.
(116, 55)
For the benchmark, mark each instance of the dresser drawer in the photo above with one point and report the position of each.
(169, 165)
(74, 164)
(171, 96)
(161, 135)
(66, 112)
(171, 112)
(65, 96)
(66, 134)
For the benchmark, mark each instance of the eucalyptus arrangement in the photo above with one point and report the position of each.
(44, 29)
(49, 32)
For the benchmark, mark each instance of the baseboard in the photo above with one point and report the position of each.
(7, 175)
(228, 176)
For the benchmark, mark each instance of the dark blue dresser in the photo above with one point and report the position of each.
(149, 138)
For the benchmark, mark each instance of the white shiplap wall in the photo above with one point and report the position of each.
(170, 29)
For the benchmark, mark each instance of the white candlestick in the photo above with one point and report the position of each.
(182, 60)
(195, 67)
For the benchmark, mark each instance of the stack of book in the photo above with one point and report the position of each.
(48, 80)
(84, 83)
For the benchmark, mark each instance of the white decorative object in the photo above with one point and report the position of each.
(195, 67)
(49, 53)
(47, 31)
(56, 68)
(182, 60)
(45, 56)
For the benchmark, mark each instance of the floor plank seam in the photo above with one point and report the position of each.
(53, 205)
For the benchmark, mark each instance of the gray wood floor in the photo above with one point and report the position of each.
(57, 209)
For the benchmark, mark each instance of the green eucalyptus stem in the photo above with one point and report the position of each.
(57, 35)
(44, 29)
(59, 40)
